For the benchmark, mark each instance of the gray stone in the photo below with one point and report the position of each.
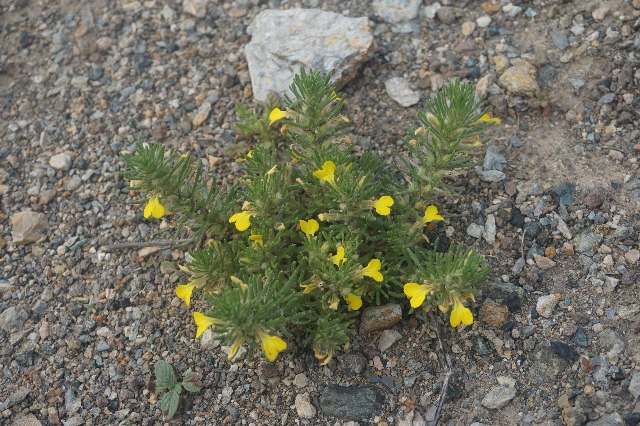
(475, 230)
(387, 339)
(490, 229)
(283, 41)
(520, 79)
(498, 397)
(396, 11)
(560, 40)
(12, 319)
(608, 339)
(546, 304)
(60, 161)
(382, 317)
(354, 363)
(563, 228)
(446, 14)
(28, 227)
(632, 256)
(588, 242)
(613, 419)
(493, 160)
(351, 402)
(304, 408)
(71, 402)
(15, 398)
(634, 384)
(197, 8)
(606, 99)
(399, 90)
(490, 175)
(73, 183)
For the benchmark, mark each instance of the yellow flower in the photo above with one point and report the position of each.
(326, 172)
(323, 356)
(154, 208)
(257, 238)
(234, 347)
(335, 96)
(354, 301)
(345, 119)
(203, 322)
(382, 205)
(242, 220)
(416, 293)
(272, 345)
(373, 270)
(309, 227)
(277, 114)
(419, 130)
(184, 292)
(431, 214)
(459, 314)
(250, 154)
(238, 281)
(308, 288)
(338, 259)
(486, 118)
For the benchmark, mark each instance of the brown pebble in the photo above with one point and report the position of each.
(568, 249)
(550, 252)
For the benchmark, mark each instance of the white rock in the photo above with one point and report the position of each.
(283, 41)
(304, 408)
(300, 381)
(399, 90)
(498, 397)
(490, 229)
(475, 230)
(60, 161)
(632, 256)
(395, 11)
(430, 11)
(483, 21)
(28, 227)
(202, 114)
(546, 304)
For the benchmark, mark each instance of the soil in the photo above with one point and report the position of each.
(82, 326)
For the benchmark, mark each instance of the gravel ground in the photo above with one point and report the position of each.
(557, 335)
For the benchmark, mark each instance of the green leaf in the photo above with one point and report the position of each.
(190, 387)
(169, 403)
(165, 377)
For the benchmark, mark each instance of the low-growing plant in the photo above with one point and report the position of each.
(311, 231)
(166, 381)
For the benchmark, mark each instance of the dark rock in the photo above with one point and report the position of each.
(580, 338)
(563, 350)
(632, 419)
(480, 346)
(25, 39)
(546, 75)
(517, 219)
(532, 229)
(506, 293)
(351, 402)
(563, 193)
(353, 364)
(96, 72)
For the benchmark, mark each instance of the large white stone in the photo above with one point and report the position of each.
(283, 41)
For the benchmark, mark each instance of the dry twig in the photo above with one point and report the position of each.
(141, 244)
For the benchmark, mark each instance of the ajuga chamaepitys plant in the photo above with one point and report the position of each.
(312, 232)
